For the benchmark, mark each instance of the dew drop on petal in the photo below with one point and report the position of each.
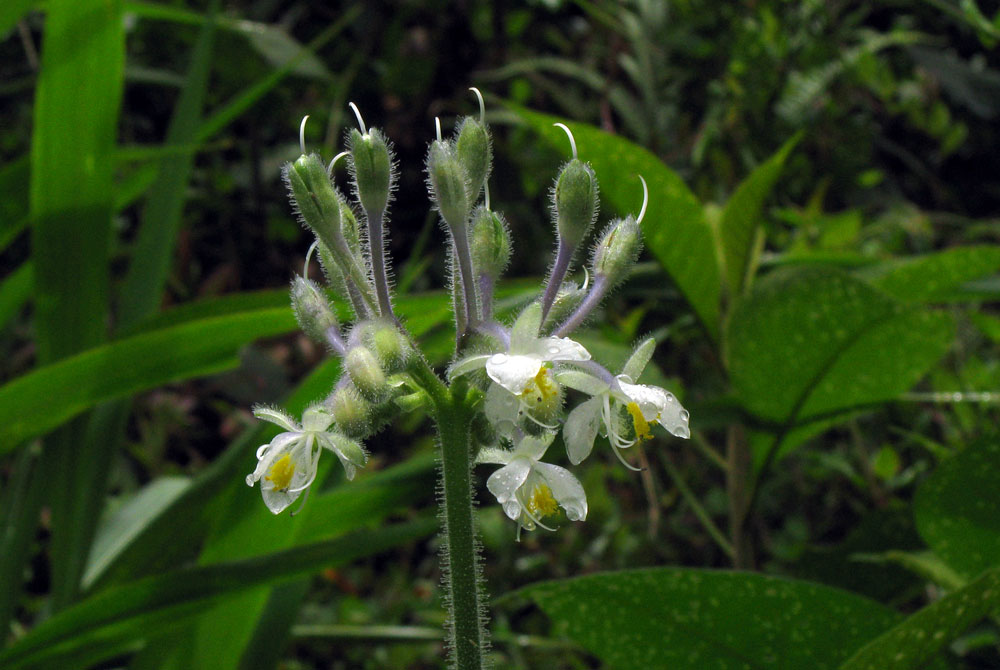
(498, 359)
(684, 414)
(553, 349)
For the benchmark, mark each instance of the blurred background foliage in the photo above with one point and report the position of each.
(823, 180)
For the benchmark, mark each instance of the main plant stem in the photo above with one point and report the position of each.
(462, 575)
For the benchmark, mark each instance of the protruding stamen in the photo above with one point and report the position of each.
(586, 279)
(357, 113)
(305, 266)
(572, 142)
(486, 196)
(645, 200)
(437, 127)
(482, 105)
(333, 163)
(302, 134)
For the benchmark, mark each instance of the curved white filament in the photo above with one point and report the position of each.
(482, 105)
(302, 134)
(572, 142)
(357, 113)
(645, 199)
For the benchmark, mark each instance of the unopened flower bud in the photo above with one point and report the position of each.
(312, 310)
(366, 373)
(391, 348)
(314, 195)
(490, 243)
(371, 164)
(475, 154)
(618, 250)
(567, 300)
(448, 184)
(576, 200)
(350, 412)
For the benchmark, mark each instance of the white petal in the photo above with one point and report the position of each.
(639, 359)
(513, 372)
(305, 469)
(277, 417)
(560, 349)
(316, 419)
(581, 429)
(525, 329)
(534, 447)
(504, 482)
(348, 451)
(652, 400)
(501, 409)
(268, 453)
(566, 489)
(467, 365)
(277, 501)
(675, 418)
(494, 455)
(581, 381)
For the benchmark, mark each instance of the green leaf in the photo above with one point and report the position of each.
(11, 12)
(41, 400)
(674, 226)
(934, 277)
(123, 525)
(811, 343)
(917, 639)
(14, 178)
(957, 509)
(686, 618)
(15, 291)
(741, 216)
(113, 619)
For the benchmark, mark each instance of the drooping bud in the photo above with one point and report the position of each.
(575, 198)
(366, 373)
(371, 165)
(489, 240)
(350, 412)
(391, 348)
(314, 195)
(617, 250)
(312, 310)
(448, 183)
(475, 154)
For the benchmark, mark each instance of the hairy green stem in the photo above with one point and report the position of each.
(453, 412)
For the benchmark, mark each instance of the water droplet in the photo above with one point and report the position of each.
(553, 349)
(498, 359)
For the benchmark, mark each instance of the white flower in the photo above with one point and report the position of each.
(287, 465)
(616, 403)
(518, 367)
(530, 490)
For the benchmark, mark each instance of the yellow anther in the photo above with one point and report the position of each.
(280, 473)
(638, 422)
(541, 388)
(541, 503)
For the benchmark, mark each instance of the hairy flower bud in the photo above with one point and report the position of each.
(489, 239)
(475, 154)
(366, 373)
(315, 197)
(391, 348)
(448, 183)
(312, 310)
(617, 250)
(371, 165)
(575, 198)
(566, 301)
(350, 412)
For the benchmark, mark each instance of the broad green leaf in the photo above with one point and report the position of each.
(934, 277)
(958, 509)
(11, 12)
(115, 618)
(15, 289)
(41, 400)
(810, 343)
(916, 640)
(741, 216)
(14, 178)
(126, 522)
(674, 226)
(694, 619)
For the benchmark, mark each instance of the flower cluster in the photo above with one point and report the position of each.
(521, 372)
